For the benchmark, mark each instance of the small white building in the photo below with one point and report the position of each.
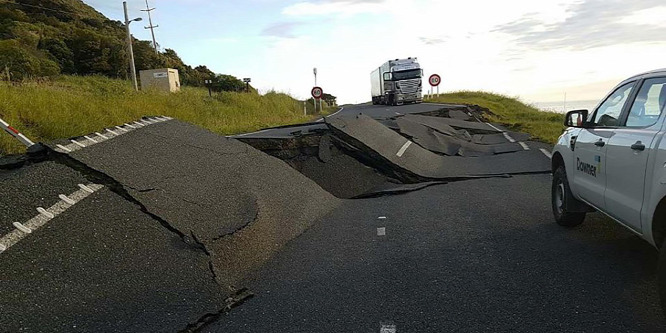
(164, 79)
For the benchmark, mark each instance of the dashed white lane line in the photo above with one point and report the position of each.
(45, 215)
(22, 228)
(91, 139)
(524, 145)
(78, 143)
(66, 199)
(381, 231)
(495, 128)
(65, 149)
(403, 149)
(546, 152)
(382, 217)
(387, 328)
(508, 137)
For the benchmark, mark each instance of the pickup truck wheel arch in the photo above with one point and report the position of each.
(562, 199)
(659, 223)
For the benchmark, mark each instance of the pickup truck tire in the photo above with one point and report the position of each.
(661, 276)
(560, 195)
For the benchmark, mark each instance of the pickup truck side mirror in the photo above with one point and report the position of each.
(575, 118)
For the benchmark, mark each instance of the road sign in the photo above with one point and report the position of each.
(435, 80)
(317, 92)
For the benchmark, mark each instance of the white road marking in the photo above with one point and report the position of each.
(381, 231)
(23, 230)
(64, 149)
(398, 113)
(382, 217)
(86, 188)
(66, 199)
(546, 152)
(122, 129)
(101, 136)
(139, 124)
(508, 137)
(91, 139)
(524, 145)
(403, 149)
(130, 126)
(387, 328)
(45, 213)
(112, 132)
(77, 143)
(491, 125)
(257, 132)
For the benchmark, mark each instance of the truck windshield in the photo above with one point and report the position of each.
(409, 74)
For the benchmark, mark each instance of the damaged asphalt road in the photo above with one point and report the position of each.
(189, 231)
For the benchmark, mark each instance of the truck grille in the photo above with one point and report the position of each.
(409, 86)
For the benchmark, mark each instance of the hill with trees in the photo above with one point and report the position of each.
(41, 38)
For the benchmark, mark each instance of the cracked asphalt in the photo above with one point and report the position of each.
(189, 218)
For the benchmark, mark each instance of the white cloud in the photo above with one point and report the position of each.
(334, 7)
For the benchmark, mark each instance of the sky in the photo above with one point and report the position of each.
(536, 50)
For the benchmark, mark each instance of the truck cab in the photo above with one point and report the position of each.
(613, 160)
(397, 82)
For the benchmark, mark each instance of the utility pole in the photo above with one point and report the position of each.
(151, 26)
(314, 99)
(129, 45)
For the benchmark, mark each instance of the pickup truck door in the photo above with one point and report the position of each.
(589, 172)
(628, 152)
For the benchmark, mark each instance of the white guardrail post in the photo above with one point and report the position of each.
(13, 132)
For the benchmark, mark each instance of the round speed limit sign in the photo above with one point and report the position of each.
(435, 80)
(317, 92)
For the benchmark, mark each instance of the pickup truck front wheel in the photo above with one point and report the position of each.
(560, 195)
(661, 276)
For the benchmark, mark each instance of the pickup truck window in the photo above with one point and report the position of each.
(649, 103)
(608, 113)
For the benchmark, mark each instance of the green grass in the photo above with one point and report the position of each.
(542, 125)
(72, 106)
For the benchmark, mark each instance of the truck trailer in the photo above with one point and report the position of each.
(397, 82)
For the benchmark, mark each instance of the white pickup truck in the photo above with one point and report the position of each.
(614, 160)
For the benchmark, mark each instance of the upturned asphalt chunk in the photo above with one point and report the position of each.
(239, 203)
(105, 266)
(390, 148)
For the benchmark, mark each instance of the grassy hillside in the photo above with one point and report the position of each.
(72, 106)
(544, 126)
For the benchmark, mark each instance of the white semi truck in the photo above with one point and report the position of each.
(397, 82)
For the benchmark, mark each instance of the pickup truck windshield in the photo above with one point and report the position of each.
(409, 74)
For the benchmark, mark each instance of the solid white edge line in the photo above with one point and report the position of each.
(524, 145)
(546, 152)
(331, 115)
(403, 148)
(257, 132)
